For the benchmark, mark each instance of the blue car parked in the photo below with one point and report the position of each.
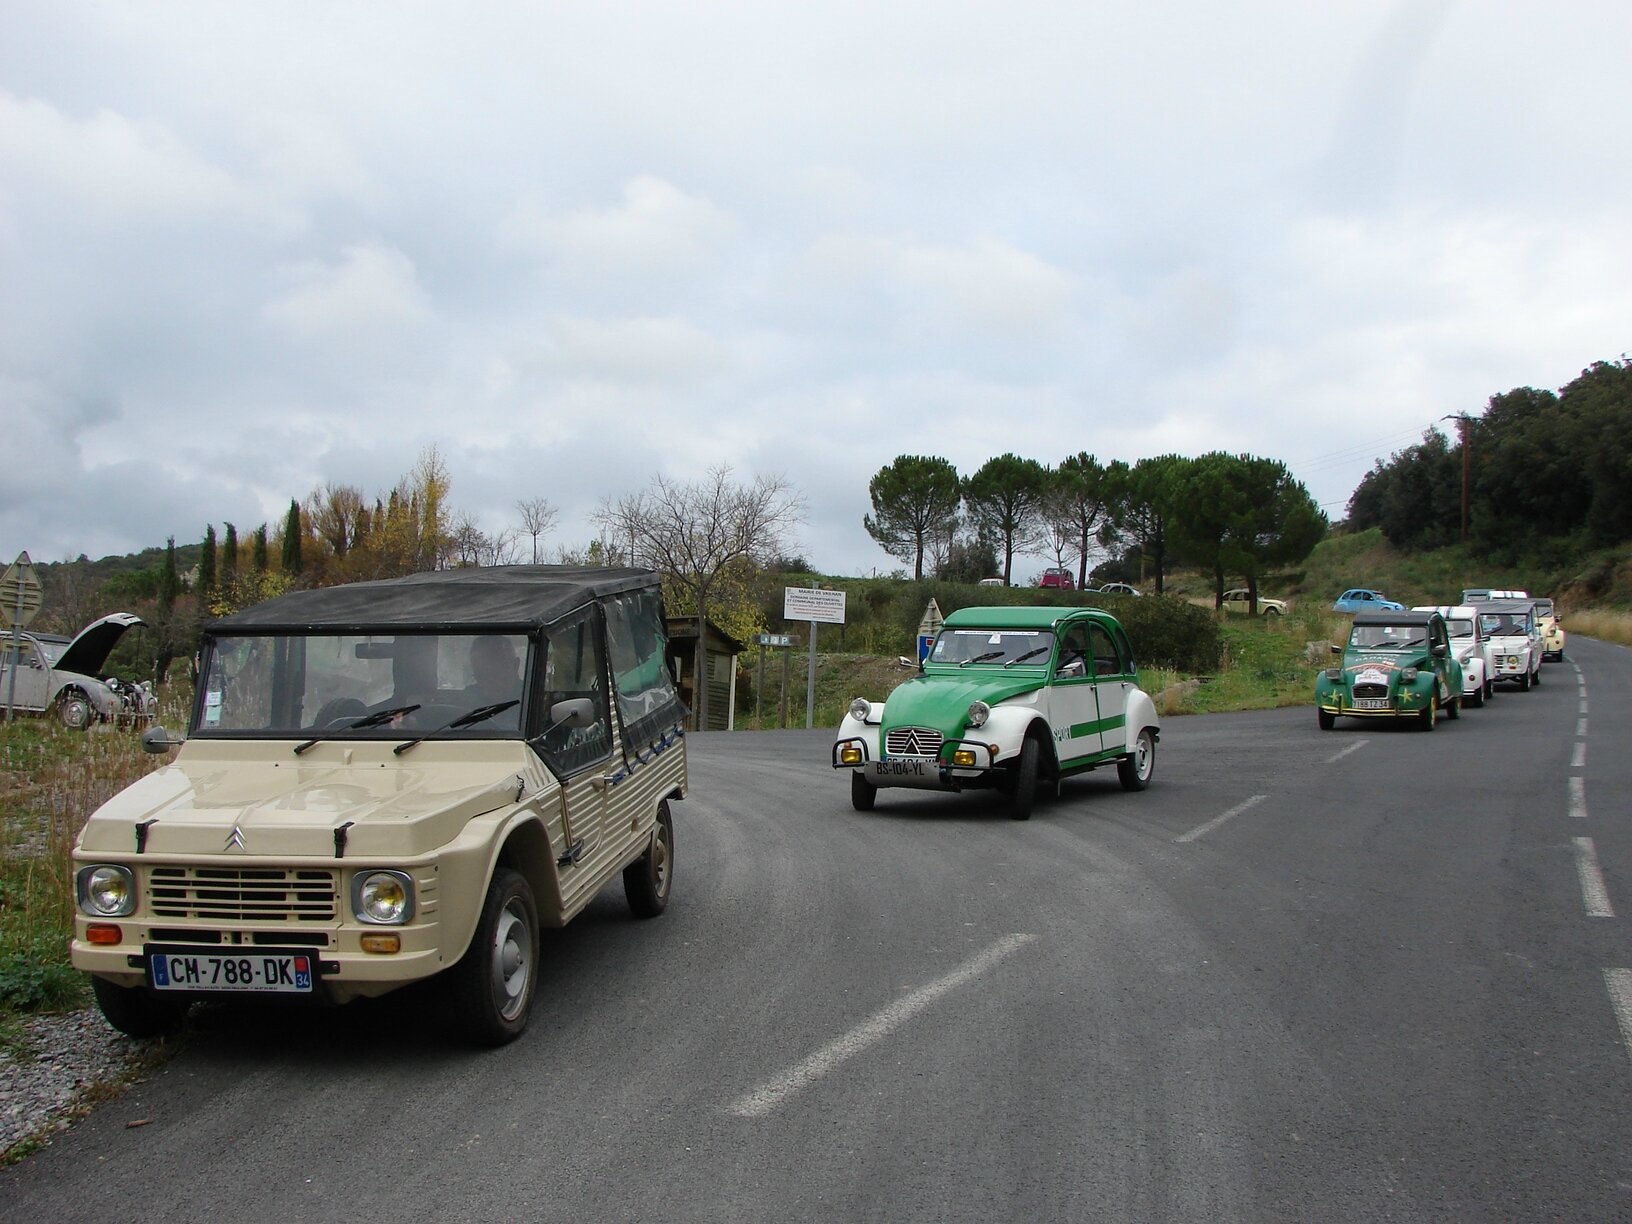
(1360, 599)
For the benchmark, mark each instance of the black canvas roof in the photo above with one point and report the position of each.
(1394, 618)
(512, 597)
(1504, 605)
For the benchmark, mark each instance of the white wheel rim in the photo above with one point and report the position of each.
(1145, 757)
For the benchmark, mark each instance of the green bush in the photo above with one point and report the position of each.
(1168, 632)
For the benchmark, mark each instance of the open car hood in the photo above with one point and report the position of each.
(90, 649)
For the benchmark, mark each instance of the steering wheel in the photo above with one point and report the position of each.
(337, 709)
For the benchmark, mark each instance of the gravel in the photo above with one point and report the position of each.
(66, 1063)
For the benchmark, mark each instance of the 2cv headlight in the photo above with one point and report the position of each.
(979, 712)
(105, 891)
(860, 708)
(1408, 675)
(382, 898)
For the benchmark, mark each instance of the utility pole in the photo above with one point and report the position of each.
(1463, 420)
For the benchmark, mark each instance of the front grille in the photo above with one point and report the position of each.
(913, 742)
(232, 894)
(1371, 690)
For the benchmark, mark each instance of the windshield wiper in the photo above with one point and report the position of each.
(983, 658)
(367, 720)
(479, 714)
(1029, 654)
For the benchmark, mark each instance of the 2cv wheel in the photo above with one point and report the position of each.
(74, 710)
(646, 881)
(863, 794)
(1023, 786)
(493, 983)
(1135, 771)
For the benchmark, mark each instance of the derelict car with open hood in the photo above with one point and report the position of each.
(387, 781)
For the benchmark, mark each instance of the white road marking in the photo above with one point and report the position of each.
(1579, 759)
(1619, 982)
(1578, 798)
(1594, 893)
(1354, 747)
(1218, 820)
(762, 1100)
(1581, 727)
(1583, 710)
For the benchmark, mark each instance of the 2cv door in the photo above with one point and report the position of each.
(1092, 681)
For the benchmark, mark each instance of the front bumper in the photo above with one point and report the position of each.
(924, 773)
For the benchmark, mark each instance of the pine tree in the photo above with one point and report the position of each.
(206, 563)
(229, 559)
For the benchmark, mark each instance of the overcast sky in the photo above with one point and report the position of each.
(248, 249)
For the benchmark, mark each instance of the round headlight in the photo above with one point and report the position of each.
(107, 892)
(385, 898)
(979, 712)
(860, 708)
(1334, 674)
(1408, 675)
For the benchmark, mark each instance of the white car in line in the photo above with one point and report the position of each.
(1515, 640)
(1472, 649)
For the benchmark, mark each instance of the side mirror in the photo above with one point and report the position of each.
(1336, 649)
(156, 739)
(1072, 670)
(572, 713)
(1437, 650)
(904, 662)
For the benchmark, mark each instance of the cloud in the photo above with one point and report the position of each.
(371, 288)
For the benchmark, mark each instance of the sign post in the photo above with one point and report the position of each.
(763, 640)
(817, 606)
(928, 628)
(20, 599)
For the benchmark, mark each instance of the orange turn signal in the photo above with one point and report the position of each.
(385, 944)
(103, 933)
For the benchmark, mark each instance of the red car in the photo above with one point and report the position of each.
(1061, 579)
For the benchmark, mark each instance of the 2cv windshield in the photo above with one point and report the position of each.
(993, 647)
(367, 685)
(1388, 637)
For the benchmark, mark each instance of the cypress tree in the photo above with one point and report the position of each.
(260, 549)
(229, 559)
(206, 562)
(291, 539)
(169, 580)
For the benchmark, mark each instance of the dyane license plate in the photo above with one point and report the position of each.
(903, 769)
(257, 971)
(1371, 703)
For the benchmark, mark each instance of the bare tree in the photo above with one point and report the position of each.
(470, 545)
(691, 533)
(537, 518)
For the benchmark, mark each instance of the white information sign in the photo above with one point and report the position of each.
(811, 604)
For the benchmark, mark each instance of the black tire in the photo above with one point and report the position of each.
(1524, 683)
(1478, 698)
(75, 711)
(647, 880)
(1535, 677)
(1326, 719)
(1429, 718)
(1453, 708)
(492, 985)
(1135, 772)
(138, 1011)
(1490, 688)
(863, 794)
(1023, 787)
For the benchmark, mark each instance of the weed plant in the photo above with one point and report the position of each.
(51, 780)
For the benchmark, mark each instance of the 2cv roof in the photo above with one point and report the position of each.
(1016, 617)
(503, 597)
(1395, 618)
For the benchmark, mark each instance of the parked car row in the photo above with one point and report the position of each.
(1400, 663)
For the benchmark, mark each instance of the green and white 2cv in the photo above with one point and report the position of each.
(1009, 698)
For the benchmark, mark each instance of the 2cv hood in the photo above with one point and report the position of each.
(253, 801)
(91, 647)
(942, 701)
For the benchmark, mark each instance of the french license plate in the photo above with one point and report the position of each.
(1371, 703)
(257, 971)
(904, 769)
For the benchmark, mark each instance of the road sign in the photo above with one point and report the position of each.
(773, 639)
(20, 593)
(812, 604)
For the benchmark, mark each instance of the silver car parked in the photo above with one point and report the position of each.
(61, 680)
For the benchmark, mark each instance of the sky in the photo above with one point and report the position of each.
(251, 249)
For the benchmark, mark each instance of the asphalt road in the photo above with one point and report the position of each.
(1363, 974)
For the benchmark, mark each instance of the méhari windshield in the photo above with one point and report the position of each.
(993, 647)
(1388, 637)
(374, 685)
(1504, 624)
